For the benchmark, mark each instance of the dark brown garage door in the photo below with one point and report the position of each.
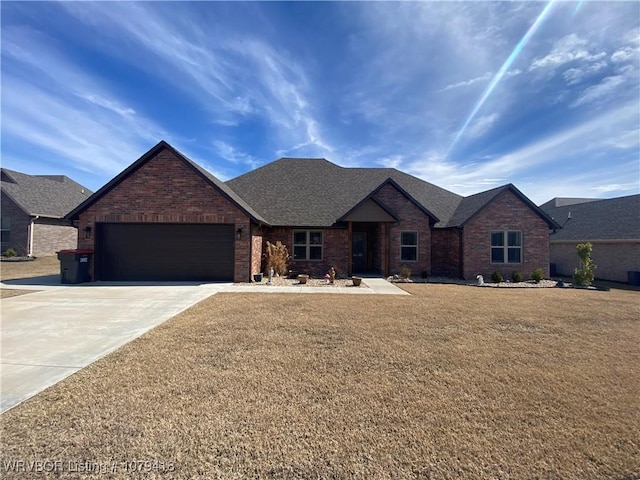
(164, 252)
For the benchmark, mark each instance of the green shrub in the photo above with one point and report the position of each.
(10, 252)
(496, 277)
(405, 271)
(516, 277)
(584, 276)
(536, 275)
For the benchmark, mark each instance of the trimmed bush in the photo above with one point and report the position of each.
(536, 275)
(10, 252)
(496, 277)
(516, 277)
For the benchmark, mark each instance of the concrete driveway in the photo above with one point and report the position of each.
(51, 334)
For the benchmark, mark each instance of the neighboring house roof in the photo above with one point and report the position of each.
(612, 219)
(45, 195)
(566, 201)
(316, 192)
(230, 194)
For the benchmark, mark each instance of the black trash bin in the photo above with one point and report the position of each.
(75, 266)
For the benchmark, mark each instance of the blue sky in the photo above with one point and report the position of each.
(466, 95)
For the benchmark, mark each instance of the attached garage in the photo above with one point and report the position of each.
(164, 252)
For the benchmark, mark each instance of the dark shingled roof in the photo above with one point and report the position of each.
(45, 195)
(612, 219)
(230, 194)
(316, 192)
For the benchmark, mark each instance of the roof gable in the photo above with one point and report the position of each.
(470, 206)
(43, 195)
(369, 210)
(152, 153)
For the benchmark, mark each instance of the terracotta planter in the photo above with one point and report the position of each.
(303, 279)
(356, 281)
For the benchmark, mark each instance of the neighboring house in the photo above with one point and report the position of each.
(33, 209)
(612, 226)
(166, 218)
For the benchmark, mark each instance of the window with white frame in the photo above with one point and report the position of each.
(409, 246)
(307, 245)
(5, 231)
(506, 247)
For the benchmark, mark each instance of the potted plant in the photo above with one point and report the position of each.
(257, 277)
(302, 278)
(356, 281)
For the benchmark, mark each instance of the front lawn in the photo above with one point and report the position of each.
(451, 382)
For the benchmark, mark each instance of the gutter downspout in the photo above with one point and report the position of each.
(33, 219)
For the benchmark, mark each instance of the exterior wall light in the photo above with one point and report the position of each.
(87, 232)
(239, 234)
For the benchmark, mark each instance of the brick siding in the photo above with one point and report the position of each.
(613, 259)
(335, 250)
(19, 237)
(506, 212)
(166, 190)
(445, 252)
(411, 218)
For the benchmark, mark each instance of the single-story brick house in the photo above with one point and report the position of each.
(166, 218)
(33, 209)
(612, 226)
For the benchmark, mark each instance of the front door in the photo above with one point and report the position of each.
(359, 251)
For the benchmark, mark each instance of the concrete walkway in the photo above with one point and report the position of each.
(59, 329)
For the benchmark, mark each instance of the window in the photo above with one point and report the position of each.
(506, 247)
(5, 231)
(409, 246)
(307, 245)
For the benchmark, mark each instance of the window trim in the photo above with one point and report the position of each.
(308, 245)
(505, 247)
(402, 246)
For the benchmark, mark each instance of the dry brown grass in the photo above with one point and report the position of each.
(39, 267)
(452, 382)
(6, 293)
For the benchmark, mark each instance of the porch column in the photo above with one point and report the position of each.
(350, 248)
(387, 245)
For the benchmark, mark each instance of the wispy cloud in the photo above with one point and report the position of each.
(605, 89)
(215, 70)
(577, 75)
(466, 83)
(482, 125)
(568, 49)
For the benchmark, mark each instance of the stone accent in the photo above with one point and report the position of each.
(505, 212)
(256, 249)
(165, 189)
